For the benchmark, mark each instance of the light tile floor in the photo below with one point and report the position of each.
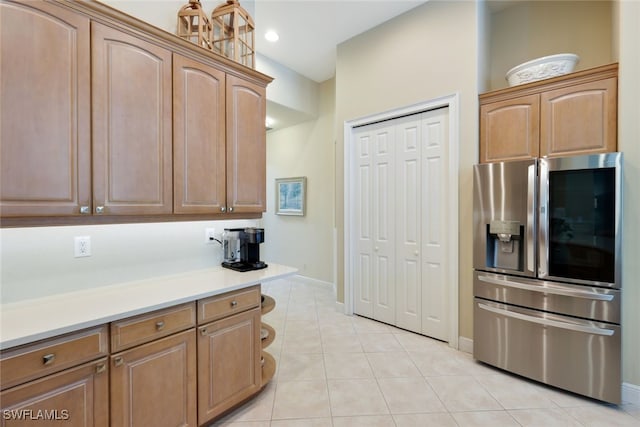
(348, 371)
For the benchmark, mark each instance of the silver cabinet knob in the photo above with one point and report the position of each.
(234, 303)
(376, 249)
(223, 208)
(48, 359)
(416, 253)
(84, 210)
(160, 325)
(99, 209)
(231, 209)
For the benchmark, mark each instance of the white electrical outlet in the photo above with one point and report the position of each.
(210, 235)
(82, 246)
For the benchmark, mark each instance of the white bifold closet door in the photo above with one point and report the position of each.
(400, 200)
(375, 212)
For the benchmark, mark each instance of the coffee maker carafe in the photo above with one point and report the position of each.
(231, 245)
(248, 241)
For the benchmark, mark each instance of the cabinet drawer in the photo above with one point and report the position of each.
(45, 357)
(226, 304)
(140, 329)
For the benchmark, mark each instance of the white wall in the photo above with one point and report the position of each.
(306, 149)
(629, 144)
(531, 29)
(39, 261)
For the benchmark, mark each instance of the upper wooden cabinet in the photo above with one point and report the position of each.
(88, 114)
(579, 119)
(567, 115)
(44, 110)
(198, 137)
(246, 146)
(219, 141)
(509, 129)
(132, 120)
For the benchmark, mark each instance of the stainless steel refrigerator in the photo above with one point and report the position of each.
(547, 271)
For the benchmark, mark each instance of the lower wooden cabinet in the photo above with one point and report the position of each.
(161, 370)
(76, 397)
(229, 368)
(155, 384)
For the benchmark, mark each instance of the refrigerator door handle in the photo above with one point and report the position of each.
(543, 221)
(531, 217)
(548, 322)
(548, 289)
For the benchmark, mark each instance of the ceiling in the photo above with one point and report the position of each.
(310, 30)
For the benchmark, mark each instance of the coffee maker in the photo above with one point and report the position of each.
(241, 248)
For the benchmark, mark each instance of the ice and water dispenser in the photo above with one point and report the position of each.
(505, 245)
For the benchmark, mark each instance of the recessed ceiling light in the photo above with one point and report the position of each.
(271, 36)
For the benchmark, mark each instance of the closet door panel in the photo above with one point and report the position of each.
(363, 289)
(384, 219)
(434, 163)
(408, 194)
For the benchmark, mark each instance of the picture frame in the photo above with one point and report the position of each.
(291, 195)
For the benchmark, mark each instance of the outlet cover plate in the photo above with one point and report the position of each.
(82, 246)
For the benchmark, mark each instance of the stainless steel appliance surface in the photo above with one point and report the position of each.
(547, 261)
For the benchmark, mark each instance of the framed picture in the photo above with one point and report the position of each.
(291, 196)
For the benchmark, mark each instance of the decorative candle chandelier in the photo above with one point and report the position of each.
(193, 24)
(233, 33)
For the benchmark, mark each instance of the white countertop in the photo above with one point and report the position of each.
(35, 319)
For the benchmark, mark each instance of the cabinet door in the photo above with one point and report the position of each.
(44, 110)
(198, 137)
(77, 397)
(131, 97)
(155, 384)
(246, 146)
(509, 130)
(580, 119)
(228, 363)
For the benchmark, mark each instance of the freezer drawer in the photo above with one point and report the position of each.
(589, 302)
(573, 354)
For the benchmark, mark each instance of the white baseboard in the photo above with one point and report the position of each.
(311, 281)
(631, 393)
(465, 344)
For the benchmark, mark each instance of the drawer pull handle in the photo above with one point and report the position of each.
(118, 361)
(234, 303)
(203, 332)
(48, 359)
(160, 325)
(100, 368)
